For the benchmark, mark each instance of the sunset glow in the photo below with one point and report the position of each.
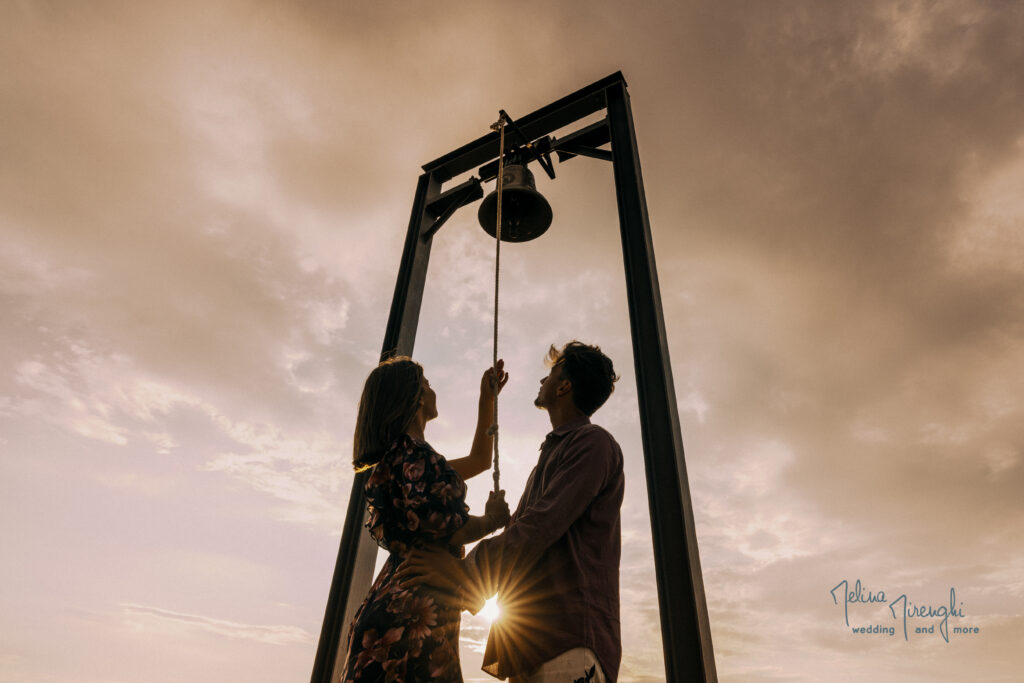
(491, 611)
(203, 206)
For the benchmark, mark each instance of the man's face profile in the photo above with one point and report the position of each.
(549, 387)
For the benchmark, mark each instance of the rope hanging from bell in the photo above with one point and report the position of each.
(519, 213)
(500, 126)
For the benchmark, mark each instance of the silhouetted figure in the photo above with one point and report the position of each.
(416, 499)
(556, 567)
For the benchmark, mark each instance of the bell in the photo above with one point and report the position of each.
(525, 214)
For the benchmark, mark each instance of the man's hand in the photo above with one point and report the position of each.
(436, 568)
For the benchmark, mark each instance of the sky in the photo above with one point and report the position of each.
(202, 210)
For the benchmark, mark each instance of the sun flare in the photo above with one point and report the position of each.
(491, 610)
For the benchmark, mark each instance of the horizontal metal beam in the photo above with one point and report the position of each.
(570, 151)
(584, 142)
(444, 206)
(489, 171)
(545, 120)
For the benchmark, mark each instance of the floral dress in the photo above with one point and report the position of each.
(401, 635)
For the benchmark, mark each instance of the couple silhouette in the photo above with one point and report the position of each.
(554, 568)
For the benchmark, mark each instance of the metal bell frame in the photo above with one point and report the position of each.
(685, 629)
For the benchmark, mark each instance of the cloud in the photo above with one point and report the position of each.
(306, 479)
(144, 617)
(110, 399)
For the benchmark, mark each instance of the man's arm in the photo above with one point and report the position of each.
(581, 471)
(439, 569)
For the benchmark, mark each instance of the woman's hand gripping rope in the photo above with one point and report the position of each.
(493, 381)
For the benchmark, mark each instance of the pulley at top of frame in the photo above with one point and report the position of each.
(525, 213)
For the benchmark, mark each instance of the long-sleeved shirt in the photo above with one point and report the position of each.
(556, 566)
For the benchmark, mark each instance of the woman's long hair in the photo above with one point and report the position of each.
(387, 407)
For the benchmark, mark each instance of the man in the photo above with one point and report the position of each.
(556, 566)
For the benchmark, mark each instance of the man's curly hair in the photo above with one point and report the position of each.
(590, 371)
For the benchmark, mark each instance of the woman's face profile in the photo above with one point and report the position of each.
(428, 401)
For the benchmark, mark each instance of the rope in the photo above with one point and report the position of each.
(500, 124)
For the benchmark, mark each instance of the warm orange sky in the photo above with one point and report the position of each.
(202, 208)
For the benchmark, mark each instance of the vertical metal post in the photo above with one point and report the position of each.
(353, 571)
(685, 629)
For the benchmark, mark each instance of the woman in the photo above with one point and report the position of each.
(416, 499)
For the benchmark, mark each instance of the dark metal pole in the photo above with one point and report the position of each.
(685, 630)
(353, 571)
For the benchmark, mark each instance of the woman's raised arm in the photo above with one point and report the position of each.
(479, 458)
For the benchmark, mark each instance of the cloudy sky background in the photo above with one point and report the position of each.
(202, 208)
